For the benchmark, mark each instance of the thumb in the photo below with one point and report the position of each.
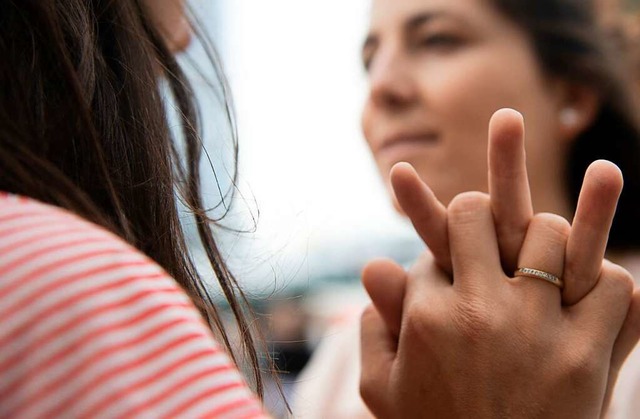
(385, 282)
(378, 350)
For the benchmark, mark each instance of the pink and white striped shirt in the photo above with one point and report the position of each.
(90, 327)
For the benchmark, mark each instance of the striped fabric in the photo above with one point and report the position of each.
(91, 328)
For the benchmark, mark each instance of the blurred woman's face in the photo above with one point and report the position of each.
(171, 18)
(437, 70)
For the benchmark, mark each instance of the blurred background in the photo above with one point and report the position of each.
(309, 208)
(305, 174)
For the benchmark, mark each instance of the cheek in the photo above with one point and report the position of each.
(484, 78)
(467, 104)
(461, 97)
(370, 122)
(467, 92)
(366, 121)
(462, 106)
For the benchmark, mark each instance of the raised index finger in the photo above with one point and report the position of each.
(427, 214)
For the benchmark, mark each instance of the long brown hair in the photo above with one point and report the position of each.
(572, 44)
(83, 127)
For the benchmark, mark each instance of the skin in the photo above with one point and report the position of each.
(420, 91)
(171, 18)
(437, 71)
(433, 348)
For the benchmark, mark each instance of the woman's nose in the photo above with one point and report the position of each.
(391, 84)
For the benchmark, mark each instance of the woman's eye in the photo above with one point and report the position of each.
(440, 41)
(366, 64)
(367, 58)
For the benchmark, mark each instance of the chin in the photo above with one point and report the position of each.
(181, 38)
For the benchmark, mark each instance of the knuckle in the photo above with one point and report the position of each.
(583, 364)
(469, 202)
(552, 224)
(368, 314)
(418, 323)
(368, 386)
(545, 243)
(554, 230)
(617, 278)
(424, 322)
(424, 262)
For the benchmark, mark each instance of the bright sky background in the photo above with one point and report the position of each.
(297, 83)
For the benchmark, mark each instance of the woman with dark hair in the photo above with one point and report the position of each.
(438, 70)
(83, 128)
(103, 312)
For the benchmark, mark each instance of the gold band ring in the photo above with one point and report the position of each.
(535, 273)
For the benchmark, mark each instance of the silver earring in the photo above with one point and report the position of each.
(569, 117)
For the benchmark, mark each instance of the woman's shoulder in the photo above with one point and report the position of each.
(43, 246)
(25, 222)
(107, 332)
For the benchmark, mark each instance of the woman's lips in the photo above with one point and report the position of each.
(401, 144)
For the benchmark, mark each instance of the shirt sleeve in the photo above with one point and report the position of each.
(92, 328)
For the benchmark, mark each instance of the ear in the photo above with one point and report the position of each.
(577, 110)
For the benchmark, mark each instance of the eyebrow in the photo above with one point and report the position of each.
(411, 24)
(422, 18)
